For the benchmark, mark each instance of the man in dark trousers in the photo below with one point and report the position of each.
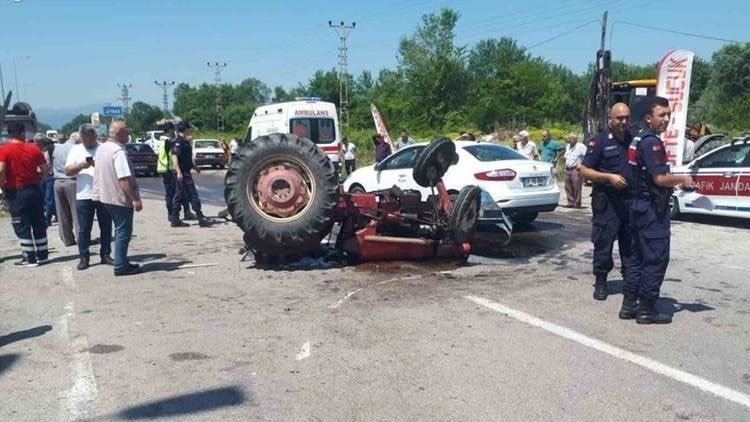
(22, 165)
(182, 158)
(606, 165)
(652, 187)
(166, 168)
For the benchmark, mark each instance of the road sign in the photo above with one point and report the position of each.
(112, 111)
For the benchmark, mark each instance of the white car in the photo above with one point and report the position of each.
(208, 152)
(521, 187)
(722, 179)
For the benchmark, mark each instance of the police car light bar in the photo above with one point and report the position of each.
(307, 98)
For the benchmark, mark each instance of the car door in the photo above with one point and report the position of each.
(396, 169)
(717, 175)
(743, 185)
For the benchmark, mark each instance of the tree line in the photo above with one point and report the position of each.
(440, 87)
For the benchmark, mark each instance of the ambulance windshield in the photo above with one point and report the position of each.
(320, 131)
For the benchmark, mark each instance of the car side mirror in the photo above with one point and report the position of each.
(378, 166)
(695, 165)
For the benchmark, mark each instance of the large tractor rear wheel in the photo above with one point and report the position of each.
(281, 191)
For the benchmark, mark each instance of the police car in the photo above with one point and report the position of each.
(722, 181)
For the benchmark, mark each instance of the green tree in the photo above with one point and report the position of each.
(726, 99)
(73, 125)
(143, 117)
(434, 69)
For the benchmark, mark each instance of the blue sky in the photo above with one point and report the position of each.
(80, 49)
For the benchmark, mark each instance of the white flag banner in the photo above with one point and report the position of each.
(673, 83)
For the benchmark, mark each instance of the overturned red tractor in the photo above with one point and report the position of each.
(284, 193)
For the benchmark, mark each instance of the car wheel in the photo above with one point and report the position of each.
(282, 191)
(524, 218)
(674, 208)
(356, 188)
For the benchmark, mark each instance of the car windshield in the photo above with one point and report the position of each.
(138, 149)
(203, 143)
(489, 152)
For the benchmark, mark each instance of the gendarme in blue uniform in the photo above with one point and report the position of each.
(607, 154)
(649, 217)
(185, 190)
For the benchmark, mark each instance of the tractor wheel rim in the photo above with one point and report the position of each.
(281, 189)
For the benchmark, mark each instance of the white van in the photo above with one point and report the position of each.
(307, 117)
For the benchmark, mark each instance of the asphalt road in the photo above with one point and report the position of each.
(513, 335)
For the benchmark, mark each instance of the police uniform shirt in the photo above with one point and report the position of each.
(607, 154)
(651, 155)
(184, 152)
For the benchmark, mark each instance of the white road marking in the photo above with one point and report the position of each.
(344, 299)
(650, 364)
(84, 391)
(354, 292)
(305, 352)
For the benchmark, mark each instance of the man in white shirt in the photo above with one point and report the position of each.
(574, 153)
(404, 140)
(526, 147)
(80, 163)
(349, 151)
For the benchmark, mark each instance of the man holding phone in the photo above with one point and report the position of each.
(80, 163)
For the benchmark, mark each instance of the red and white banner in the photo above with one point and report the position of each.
(673, 83)
(380, 125)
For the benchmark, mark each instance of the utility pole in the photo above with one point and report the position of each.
(164, 85)
(343, 31)
(218, 68)
(124, 96)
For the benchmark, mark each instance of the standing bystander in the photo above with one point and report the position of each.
(574, 154)
(48, 181)
(65, 192)
(526, 147)
(404, 140)
(81, 164)
(549, 149)
(21, 168)
(382, 149)
(349, 151)
(116, 188)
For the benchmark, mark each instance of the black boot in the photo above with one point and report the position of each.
(176, 222)
(629, 309)
(647, 313)
(83, 263)
(189, 215)
(202, 220)
(600, 287)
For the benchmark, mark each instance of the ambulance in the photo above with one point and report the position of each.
(307, 117)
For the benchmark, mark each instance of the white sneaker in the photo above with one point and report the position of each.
(26, 264)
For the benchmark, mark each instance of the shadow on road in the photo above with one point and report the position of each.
(23, 335)
(202, 401)
(147, 257)
(151, 267)
(7, 361)
(740, 223)
(673, 306)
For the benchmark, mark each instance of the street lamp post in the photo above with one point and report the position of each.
(15, 74)
(2, 83)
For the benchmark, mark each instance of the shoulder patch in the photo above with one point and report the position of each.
(658, 147)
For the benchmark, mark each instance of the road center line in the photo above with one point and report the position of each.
(650, 364)
(84, 391)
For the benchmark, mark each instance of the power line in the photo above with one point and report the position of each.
(562, 34)
(343, 31)
(689, 34)
(218, 68)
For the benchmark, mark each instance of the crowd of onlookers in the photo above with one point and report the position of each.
(71, 181)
